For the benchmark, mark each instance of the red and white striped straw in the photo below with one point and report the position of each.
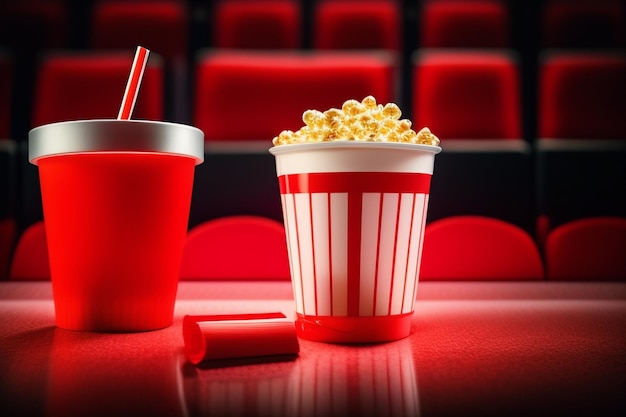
(134, 81)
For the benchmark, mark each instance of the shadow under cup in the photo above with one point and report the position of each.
(116, 196)
(354, 214)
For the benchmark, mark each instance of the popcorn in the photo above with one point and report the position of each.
(358, 121)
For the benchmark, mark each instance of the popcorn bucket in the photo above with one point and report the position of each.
(354, 213)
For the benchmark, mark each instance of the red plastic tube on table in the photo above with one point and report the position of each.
(236, 336)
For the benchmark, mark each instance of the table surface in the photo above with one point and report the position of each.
(476, 348)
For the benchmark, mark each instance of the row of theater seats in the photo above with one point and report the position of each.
(247, 95)
(578, 101)
(575, 168)
(455, 248)
(167, 27)
(164, 25)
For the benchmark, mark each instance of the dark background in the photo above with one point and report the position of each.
(526, 188)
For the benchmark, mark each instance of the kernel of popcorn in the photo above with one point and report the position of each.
(408, 136)
(357, 121)
(378, 114)
(369, 102)
(365, 117)
(344, 132)
(404, 125)
(313, 118)
(388, 124)
(333, 114)
(352, 107)
(392, 111)
(397, 137)
(425, 137)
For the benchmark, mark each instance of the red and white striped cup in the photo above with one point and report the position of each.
(354, 213)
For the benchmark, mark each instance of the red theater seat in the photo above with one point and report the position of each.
(582, 95)
(236, 248)
(587, 249)
(30, 260)
(581, 147)
(246, 24)
(160, 26)
(255, 95)
(464, 24)
(478, 248)
(467, 94)
(73, 86)
(374, 24)
(584, 24)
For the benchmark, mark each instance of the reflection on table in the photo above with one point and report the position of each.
(378, 381)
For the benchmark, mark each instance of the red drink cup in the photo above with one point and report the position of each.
(116, 197)
(354, 213)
